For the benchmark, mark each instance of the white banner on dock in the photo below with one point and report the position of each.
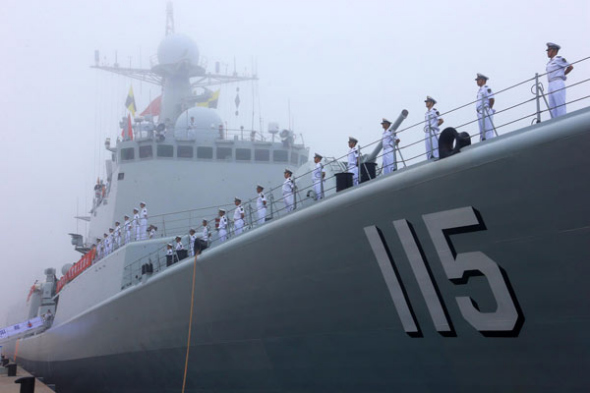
(20, 328)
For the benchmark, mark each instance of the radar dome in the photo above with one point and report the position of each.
(198, 123)
(178, 47)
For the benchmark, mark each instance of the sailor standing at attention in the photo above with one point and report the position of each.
(433, 121)
(192, 238)
(203, 242)
(238, 216)
(261, 205)
(484, 106)
(557, 69)
(318, 176)
(127, 226)
(388, 140)
(289, 191)
(222, 226)
(107, 245)
(353, 160)
(135, 223)
(117, 234)
(143, 220)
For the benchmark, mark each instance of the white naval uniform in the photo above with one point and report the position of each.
(117, 236)
(191, 243)
(238, 219)
(388, 140)
(136, 226)
(143, 223)
(431, 130)
(179, 246)
(485, 113)
(205, 234)
(107, 245)
(289, 194)
(127, 226)
(318, 181)
(353, 156)
(556, 75)
(222, 228)
(261, 208)
(99, 250)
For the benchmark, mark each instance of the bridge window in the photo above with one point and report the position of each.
(127, 154)
(261, 155)
(204, 152)
(243, 154)
(185, 152)
(146, 151)
(224, 153)
(280, 156)
(165, 151)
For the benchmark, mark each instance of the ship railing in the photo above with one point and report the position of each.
(520, 104)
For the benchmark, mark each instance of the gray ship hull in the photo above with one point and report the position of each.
(304, 305)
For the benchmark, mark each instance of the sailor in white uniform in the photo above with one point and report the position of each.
(179, 246)
(135, 223)
(192, 238)
(557, 69)
(353, 160)
(318, 176)
(143, 221)
(99, 249)
(388, 140)
(431, 128)
(289, 191)
(169, 255)
(238, 216)
(222, 226)
(107, 245)
(484, 107)
(205, 236)
(260, 205)
(127, 226)
(117, 234)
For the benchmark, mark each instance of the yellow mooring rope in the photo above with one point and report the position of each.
(190, 323)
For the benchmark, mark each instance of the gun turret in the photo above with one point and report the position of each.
(373, 155)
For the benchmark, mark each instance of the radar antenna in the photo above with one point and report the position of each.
(169, 18)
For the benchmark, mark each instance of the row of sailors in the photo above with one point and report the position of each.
(197, 243)
(136, 229)
(557, 68)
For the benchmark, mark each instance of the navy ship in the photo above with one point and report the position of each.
(460, 274)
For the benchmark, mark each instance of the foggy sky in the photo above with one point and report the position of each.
(331, 69)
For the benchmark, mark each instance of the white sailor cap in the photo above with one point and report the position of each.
(105, 235)
(205, 220)
(481, 76)
(191, 230)
(259, 186)
(236, 199)
(169, 245)
(142, 203)
(552, 45)
(352, 139)
(178, 238)
(126, 216)
(222, 210)
(135, 209)
(384, 120)
(287, 170)
(111, 229)
(318, 156)
(428, 98)
(117, 223)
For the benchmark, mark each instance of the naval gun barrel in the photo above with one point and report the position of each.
(373, 155)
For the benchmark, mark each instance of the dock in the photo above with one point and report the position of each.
(8, 385)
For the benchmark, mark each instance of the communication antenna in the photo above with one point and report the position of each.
(169, 18)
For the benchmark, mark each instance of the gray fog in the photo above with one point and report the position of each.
(328, 69)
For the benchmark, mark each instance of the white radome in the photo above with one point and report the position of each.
(176, 48)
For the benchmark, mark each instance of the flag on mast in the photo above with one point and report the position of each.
(211, 102)
(130, 101)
